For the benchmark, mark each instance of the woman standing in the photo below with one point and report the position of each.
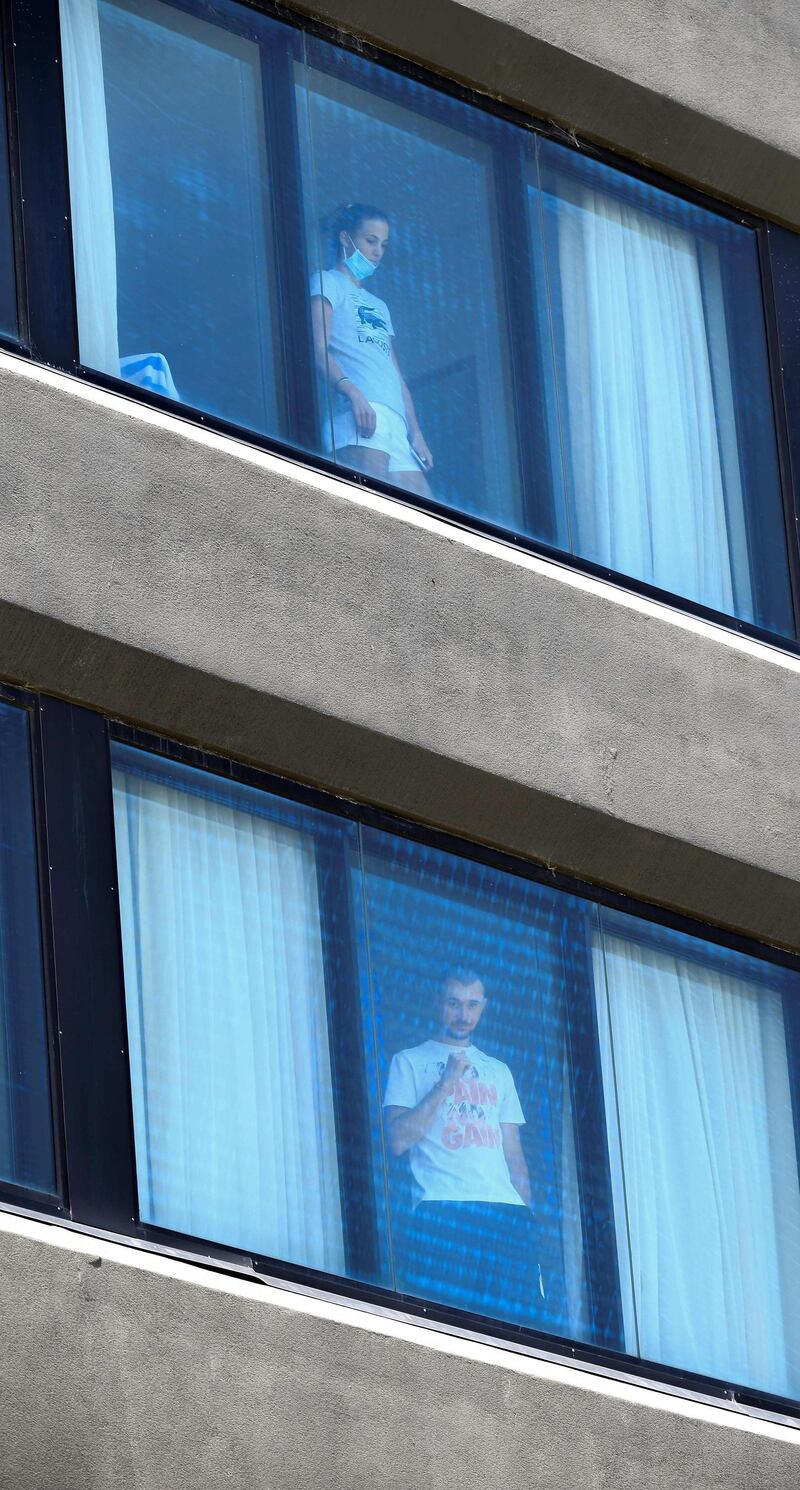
(373, 427)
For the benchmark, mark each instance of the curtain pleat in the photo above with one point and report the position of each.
(233, 1106)
(91, 192)
(704, 1166)
(649, 497)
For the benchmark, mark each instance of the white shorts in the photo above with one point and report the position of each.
(391, 436)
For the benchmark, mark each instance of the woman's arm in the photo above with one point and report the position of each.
(415, 436)
(330, 370)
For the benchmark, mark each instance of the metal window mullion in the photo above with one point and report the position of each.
(87, 964)
(42, 209)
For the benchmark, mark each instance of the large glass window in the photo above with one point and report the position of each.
(356, 263)
(172, 205)
(663, 388)
(26, 1128)
(374, 1057)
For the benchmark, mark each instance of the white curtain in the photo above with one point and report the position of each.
(704, 1165)
(233, 1109)
(91, 194)
(643, 440)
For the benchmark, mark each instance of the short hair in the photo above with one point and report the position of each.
(463, 975)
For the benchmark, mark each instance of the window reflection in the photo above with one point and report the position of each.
(698, 1068)
(227, 996)
(664, 389)
(170, 200)
(427, 170)
(372, 1057)
(498, 1166)
(355, 263)
(8, 290)
(26, 1129)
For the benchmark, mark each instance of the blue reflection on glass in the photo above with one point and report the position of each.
(427, 170)
(179, 290)
(699, 1050)
(663, 388)
(26, 1128)
(498, 1168)
(237, 939)
(8, 289)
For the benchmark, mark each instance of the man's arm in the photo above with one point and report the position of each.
(515, 1159)
(407, 1125)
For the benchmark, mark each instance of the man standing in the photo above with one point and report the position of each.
(456, 1112)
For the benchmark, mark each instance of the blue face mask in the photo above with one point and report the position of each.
(358, 265)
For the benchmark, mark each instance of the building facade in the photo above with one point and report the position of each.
(316, 714)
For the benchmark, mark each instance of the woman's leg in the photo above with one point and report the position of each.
(415, 482)
(362, 458)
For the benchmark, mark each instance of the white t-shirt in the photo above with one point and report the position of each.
(461, 1156)
(360, 339)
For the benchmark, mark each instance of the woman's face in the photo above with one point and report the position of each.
(371, 237)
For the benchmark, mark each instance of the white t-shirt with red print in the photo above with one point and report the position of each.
(461, 1155)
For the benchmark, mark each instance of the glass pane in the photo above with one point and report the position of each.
(663, 388)
(251, 1112)
(8, 290)
(171, 199)
(699, 1054)
(404, 192)
(498, 1172)
(26, 1126)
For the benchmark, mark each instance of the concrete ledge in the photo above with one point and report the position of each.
(209, 591)
(746, 82)
(290, 740)
(121, 1368)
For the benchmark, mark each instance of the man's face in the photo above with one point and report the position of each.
(461, 1008)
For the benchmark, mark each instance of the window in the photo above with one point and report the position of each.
(8, 290)
(26, 1128)
(388, 1060)
(355, 263)
(663, 388)
(239, 956)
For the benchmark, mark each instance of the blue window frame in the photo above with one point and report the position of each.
(365, 1053)
(340, 257)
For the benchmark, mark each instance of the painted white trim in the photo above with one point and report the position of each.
(394, 1326)
(400, 510)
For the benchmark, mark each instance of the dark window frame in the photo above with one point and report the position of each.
(42, 216)
(527, 870)
(53, 1202)
(86, 1011)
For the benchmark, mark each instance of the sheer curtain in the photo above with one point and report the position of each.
(642, 433)
(91, 191)
(230, 1068)
(704, 1164)
(92, 205)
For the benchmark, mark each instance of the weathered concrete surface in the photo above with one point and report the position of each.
(241, 606)
(709, 92)
(113, 1377)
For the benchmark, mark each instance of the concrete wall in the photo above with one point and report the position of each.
(147, 1380)
(235, 600)
(708, 92)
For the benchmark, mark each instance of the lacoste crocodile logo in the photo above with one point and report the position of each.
(369, 317)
